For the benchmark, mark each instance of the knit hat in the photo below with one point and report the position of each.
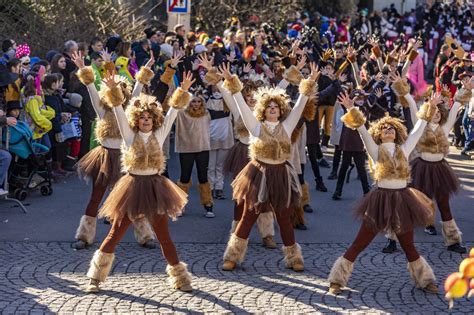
(11, 105)
(200, 49)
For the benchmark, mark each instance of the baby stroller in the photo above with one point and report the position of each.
(29, 160)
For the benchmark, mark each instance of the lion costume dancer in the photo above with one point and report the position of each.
(143, 191)
(268, 182)
(392, 206)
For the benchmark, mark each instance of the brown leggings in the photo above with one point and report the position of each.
(283, 218)
(365, 237)
(442, 200)
(238, 211)
(97, 194)
(160, 226)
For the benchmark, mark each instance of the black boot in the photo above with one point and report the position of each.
(333, 175)
(320, 185)
(69, 164)
(307, 208)
(431, 230)
(301, 226)
(337, 195)
(457, 248)
(390, 247)
(324, 163)
(219, 194)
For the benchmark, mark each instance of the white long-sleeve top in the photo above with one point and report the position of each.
(128, 134)
(448, 125)
(110, 143)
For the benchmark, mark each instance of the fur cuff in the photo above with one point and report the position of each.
(205, 194)
(293, 75)
(167, 76)
(233, 85)
(178, 275)
(451, 232)
(184, 187)
(412, 55)
(100, 266)
(233, 227)
(403, 101)
(401, 87)
(389, 60)
(212, 76)
(180, 98)
(342, 68)
(341, 271)
(463, 96)
(86, 75)
(421, 273)
(143, 231)
(144, 76)
(236, 249)
(308, 88)
(86, 230)
(109, 67)
(306, 197)
(113, 97)
(376, 51)
(309, 111)
(352, 58)
(353, 118)
(426, 112)
(293, 255)
(265, 224)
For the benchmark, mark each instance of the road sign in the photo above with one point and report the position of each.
(178, 6)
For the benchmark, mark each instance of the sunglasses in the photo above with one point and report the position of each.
(25, 63)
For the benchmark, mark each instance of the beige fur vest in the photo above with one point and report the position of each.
(273, 146)
(141, 156)
(391, 167)
(240, 130)
(433, 141)
(107, 127)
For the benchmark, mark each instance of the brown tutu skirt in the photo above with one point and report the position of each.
(139, 195)
(395, 210)
(433, 178)
(266, 187)
(102, 165)
(236, 159)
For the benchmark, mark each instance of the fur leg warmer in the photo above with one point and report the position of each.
(451, 232)
(421, 273)
(184, 187)
(100, 266)
(205, 194)
(265, 224)
(178, 275)
(305, 198)
(298, 216)
(233, 226)
(86, 230)
(236, 249)
(293, 255)
(143, 231)
(341, 271)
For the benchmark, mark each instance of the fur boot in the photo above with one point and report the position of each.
(100, 266)
(305, 200)
(86, 230)
(236, 249)
(421, 273)
(340, 272)
(205, 194)
(179, 277)
(265, 224)
(293, 257)
(451, 232)
(143, 231)
(233, 226)
(184, 187)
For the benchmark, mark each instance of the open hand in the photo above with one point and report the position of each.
(78, 59)
(345, 100)
(224, 70)
(187, 80)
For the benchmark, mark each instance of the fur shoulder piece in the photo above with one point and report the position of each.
(86, 75)
(167, 76)
(233, 85)
(308, 88)
(401, 87)
(212, 76)
(309, 112)
(426, 112)
(463, 96)
(180, 99)
(293, 75)
(412, 55)
(353, 118)
(144, 76)
(113, 97)
(109, 67)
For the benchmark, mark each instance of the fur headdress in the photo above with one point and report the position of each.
(141, 104)
(266, 95)
(376, 129)
(254, 81)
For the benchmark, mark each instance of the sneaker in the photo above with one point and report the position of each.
(150, 244)
(457, 248)
(390, 247)
(3, 192)
(307, 209)
(209, 212)
(332, 176)
(430, 230)
(301, 227)
(324, 163)
(324, 148)
(320, 185)
(219, 194)
(336, 196)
